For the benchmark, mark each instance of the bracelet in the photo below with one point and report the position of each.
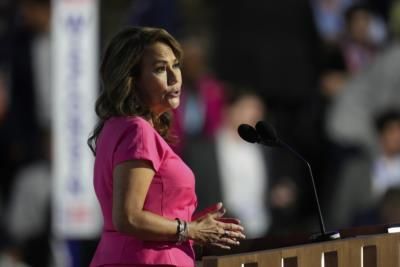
(181, 231)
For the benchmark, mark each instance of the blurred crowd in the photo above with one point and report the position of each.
(325, 73)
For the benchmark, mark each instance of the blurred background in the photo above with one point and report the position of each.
(325, 73)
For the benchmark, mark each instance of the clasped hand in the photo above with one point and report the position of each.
(209, 227)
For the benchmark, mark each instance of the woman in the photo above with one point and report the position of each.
(146, 192)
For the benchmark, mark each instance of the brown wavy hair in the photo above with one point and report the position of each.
(121, 65)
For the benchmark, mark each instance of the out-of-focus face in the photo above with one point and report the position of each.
(36, 15)
(359, 26)
(249, 109)
(160, 78)
(390, 138)
(194, 62)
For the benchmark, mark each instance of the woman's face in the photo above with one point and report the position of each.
(160, 79)
(390, 138)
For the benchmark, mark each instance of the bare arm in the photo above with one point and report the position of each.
(132, 180)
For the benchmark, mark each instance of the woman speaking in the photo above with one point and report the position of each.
(146, 192)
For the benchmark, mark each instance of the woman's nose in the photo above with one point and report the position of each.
(172, 77)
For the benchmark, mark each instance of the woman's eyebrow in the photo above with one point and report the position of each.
(163, 61)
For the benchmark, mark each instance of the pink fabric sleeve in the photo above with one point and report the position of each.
(139, 142)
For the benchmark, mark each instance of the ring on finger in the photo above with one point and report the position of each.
(226, 233)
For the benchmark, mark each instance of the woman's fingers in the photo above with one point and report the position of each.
(212, 208)
(233, 227)
(218, 213)
(223, 235)
(214, 238)
(220, 245)
(229, 241)
(215, 210)
(230, 230)
(226, 243)
(234, 235)
(229, 220)
(218, 231)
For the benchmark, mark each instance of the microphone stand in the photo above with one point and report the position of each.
(323, 236)
(265, 134)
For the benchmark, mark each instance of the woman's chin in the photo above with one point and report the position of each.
(173, 103)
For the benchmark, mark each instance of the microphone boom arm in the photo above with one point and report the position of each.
(321, 220)
(266, 135)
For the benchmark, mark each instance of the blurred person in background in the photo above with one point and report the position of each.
(30, 91)
(329, 18)
(279, 58)
(375, 88)
(146, 192)
(6, 11)
(241, 174)
(386, 211)
(284, 206)
(231, 170)
(361, 39)
(366, 178)
(389, 207)
(200, 112)
(353, 52)
(350, 33)
(360, 44)
(387, 166)
(24, 66)
(28, 213)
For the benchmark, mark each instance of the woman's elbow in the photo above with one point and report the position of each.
(125, 224)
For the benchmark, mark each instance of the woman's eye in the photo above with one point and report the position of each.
(160, 69)
(177, 65)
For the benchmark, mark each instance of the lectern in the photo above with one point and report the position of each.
(373, 250)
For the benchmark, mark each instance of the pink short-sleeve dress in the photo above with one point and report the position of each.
(171, 194)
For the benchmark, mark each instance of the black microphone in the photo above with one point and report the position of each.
(266, 135)
(248, 133)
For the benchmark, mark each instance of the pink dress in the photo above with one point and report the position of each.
(171, 194)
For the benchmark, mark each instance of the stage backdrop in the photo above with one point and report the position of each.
(75, 83)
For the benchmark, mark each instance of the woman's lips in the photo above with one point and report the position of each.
(175, 93)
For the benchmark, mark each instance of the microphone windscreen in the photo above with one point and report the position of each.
(248, 133)
(267, 132)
